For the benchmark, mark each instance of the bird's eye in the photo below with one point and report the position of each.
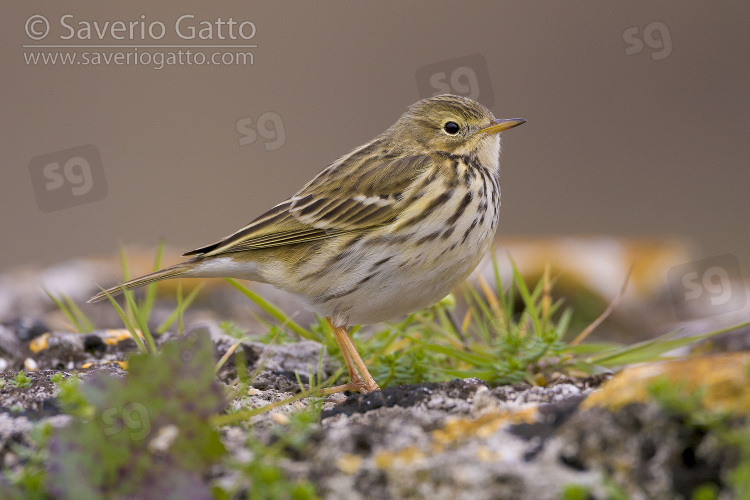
(451, 128)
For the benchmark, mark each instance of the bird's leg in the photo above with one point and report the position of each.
(353, 361)
(369, 382)
(356, 380)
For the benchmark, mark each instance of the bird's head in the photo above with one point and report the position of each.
(455, 125)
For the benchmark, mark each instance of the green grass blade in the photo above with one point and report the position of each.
(588, 368)
(180, 309)
(446, 323)
(148, 301)
(126, 321)
(506, 299)
(587, 349)
(612, 359)
(141, 321)
(509, 301)
(481, 313)
(84, 323)
(523, 290)
(63, 307)
(272, 310)
(227, 354)
(167, 323)
(562, 325)
(231, 418)
(126, 277)
(480, 374)
(265, 356)
(474, 358)
(432, 327)
(653, 349)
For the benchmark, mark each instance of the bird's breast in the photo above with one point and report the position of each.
(412, 263)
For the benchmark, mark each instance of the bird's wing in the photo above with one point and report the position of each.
(361, 190)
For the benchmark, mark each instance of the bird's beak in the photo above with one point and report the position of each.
(498, 126)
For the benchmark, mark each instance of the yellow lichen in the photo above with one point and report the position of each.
(123, 364)
(39, 343)
(389, 459)
(457, 429)
(114, 337)
(485, 455)
(723, 377)
(349, 463)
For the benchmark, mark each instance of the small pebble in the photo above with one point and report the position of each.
(280, 418)
(164, 438)
(30, 365)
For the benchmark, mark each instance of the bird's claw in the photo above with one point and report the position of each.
(356, 384)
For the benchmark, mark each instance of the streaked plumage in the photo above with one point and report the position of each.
(385, 230)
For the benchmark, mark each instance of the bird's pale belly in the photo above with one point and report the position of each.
(400, 289)
(374, 283)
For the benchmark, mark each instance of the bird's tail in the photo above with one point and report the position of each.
(167, 273)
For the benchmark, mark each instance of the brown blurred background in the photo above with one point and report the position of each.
(637, 115)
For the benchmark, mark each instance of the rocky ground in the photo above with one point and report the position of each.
(672, 429)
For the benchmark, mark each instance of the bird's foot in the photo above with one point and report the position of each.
(357, 384)
(362, 384)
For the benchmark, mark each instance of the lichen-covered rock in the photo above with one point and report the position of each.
(623, 432)
(452, 440)
(457, 439)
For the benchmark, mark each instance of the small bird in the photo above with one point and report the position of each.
(387, 229)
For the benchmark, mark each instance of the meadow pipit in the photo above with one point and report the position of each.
(385, 230)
